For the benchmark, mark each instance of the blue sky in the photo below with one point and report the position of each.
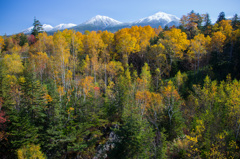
(17, 15)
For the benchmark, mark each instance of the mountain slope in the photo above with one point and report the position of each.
(28, 30)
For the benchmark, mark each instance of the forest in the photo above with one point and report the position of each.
(140, 92)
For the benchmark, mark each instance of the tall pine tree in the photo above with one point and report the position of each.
(37, 27)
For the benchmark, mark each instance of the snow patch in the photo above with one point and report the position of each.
(100, 20)
(159, 17)
(47, 27)
(64, 26)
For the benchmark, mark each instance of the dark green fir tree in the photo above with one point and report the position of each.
(221, 17)
(37, 27)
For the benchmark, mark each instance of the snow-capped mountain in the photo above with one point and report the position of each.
(63, 26)
(103, 21)
(100, 22)
(47, 27)
(157, 19)
(96, 23)
(28, 30)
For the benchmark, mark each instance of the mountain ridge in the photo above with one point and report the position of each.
(48, 27)
(100, 22)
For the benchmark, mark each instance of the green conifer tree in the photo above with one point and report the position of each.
(37, 27)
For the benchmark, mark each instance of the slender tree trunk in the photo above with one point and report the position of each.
(94, 70)
(105, 71)
(63, 69)
(84, 95)
(41, 74)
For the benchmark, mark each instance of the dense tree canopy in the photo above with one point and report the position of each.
(140, 92)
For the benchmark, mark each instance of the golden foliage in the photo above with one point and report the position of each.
(30, 151)
(170, 92)
(114, 68)
(175, 42)
(12, 64)
(1, 43)
(218, 40)
(87, 85)
(149, 101)
(226, 28)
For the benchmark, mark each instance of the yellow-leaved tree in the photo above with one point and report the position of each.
(108, 40)
(12, 69)
(75, 45)
(143, 36)
(30, 151)
(114, 68)
(171, 100)
(158, 56)
(218, 40)
(125, 44)
(233, 104)
(12, 64)
(231, 35)
(44, 43)
(199, 46)
(144, 82)
(39, 63)
(93, 45)
(175, 43)
(87, 86)
(1, 44)
(61, 55)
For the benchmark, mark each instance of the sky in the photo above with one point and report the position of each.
(18, 15)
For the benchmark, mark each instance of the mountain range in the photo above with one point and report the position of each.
(47, 27)
(100, 22)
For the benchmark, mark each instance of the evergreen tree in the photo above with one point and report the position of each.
(37, 27)
(207, 26)
(133, 139)
(199, 21)
(235, 22)
(21, 130)
(23, 39)
(221, 17)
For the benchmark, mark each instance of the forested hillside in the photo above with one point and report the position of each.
(140, 92)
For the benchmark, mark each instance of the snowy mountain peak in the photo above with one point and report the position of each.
(159, 17)
(64, 26)
(162, 15)
(47, 27)
(100, 20)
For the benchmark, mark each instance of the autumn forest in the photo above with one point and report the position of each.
(140, 92)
